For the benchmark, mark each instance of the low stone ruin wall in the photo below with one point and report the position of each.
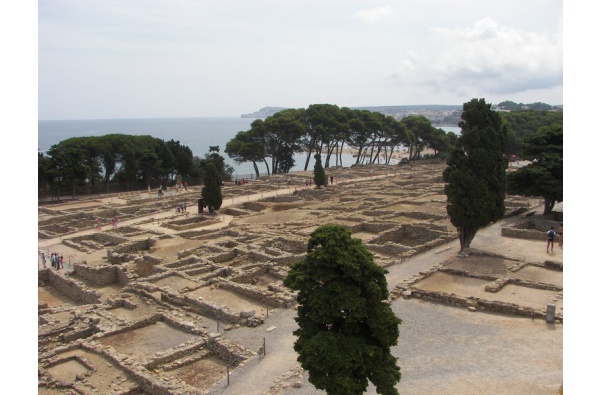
(212, 310)
(95, 241)
(269, 298)
(190, 223)
(531, 229)
(98, 276)
(407, 290)
(75, 290)
(229, 352)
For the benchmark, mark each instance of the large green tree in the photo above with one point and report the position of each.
(345, 327)
(476, 173)
(544, 175)
(211, 191)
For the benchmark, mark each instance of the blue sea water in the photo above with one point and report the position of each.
(196, 133)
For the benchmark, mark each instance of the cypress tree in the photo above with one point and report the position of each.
(319, 177)
(476, 173)
(211, 191)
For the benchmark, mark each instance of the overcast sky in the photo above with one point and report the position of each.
(152, 58)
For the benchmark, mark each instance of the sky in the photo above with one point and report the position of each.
(177, 58)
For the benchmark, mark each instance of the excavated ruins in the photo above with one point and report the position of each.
(144, 307)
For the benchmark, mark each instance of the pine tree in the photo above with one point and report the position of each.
(476, 173)
(544, 176)
(346, 328)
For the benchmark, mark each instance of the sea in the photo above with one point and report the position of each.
(196, 133)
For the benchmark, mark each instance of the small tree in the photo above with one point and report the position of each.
(544, 177)
(211, 191)
(320, 178)
(346, 328)
(476, 173)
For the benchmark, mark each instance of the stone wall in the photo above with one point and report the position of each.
(74, 289)
(98, 276)
(533, 228)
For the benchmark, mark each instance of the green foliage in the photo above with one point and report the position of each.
(319, 177)
(128, 158)
(326, 129)
(544, 177)
(476, 173)
(525, 123)
(538, 106)
(421, 134)
(246, 147)
(211, 191)
(213, 157)
(345, 327)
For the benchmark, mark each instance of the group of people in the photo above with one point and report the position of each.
(181, 208)
(551, 234)
(56, 261)
(243, 181)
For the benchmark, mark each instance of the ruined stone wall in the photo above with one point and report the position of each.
(202, 307)
(72, 288)
(99, 276)
(227, 351)
(269, 298)
(283, 259)
(135, 246)
(531, 229)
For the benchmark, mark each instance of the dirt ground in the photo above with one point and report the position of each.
(378, 194)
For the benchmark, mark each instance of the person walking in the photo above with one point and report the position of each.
(44, 260)
(550, 235)
(98, 222)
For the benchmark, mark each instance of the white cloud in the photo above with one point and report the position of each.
(375, 14)
(487, 59)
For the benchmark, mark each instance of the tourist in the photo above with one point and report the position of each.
(183, 204)
(43, 260)
(61, 262)
(98, 223)
(560, 235)
(550, 239)
(185, 185)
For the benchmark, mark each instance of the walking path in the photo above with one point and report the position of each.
(441, 349)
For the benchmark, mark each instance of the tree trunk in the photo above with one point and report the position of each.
(267, 165)
(548, 205)
(466, 236)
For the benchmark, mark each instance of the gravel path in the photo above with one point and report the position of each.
(441, 350)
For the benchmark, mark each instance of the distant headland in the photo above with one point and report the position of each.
(439, 115)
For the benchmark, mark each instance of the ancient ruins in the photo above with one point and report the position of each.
(146, 307)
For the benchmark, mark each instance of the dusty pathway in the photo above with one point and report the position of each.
(441, 350)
